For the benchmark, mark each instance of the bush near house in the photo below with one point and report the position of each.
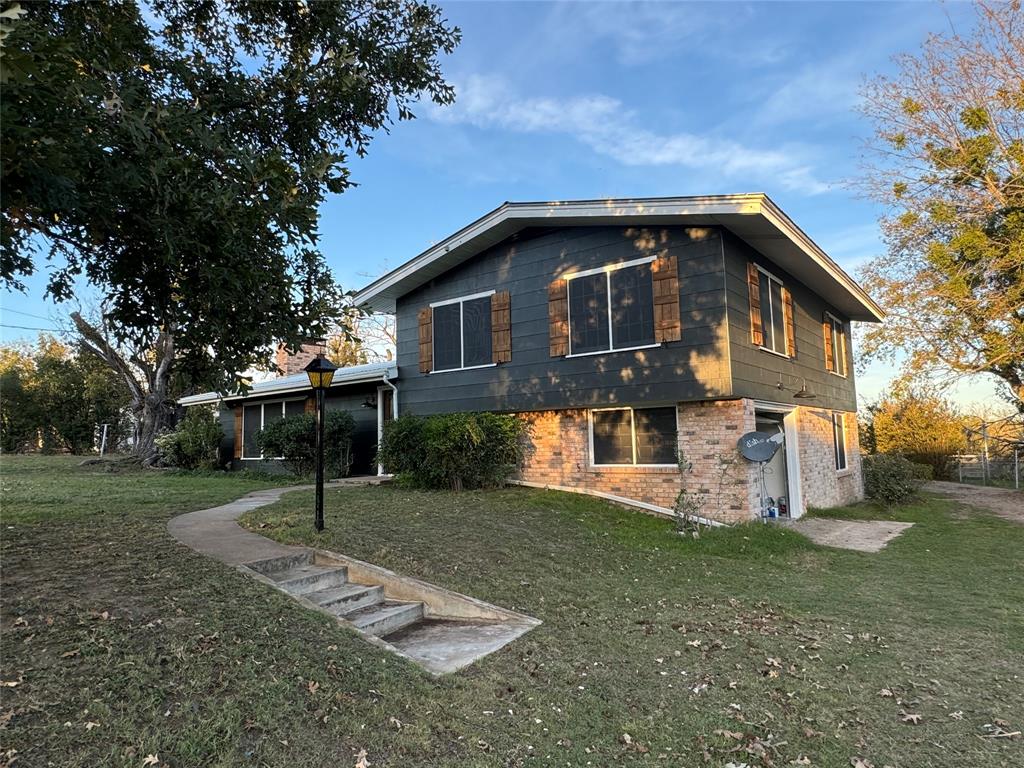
(194, 443)
(294, 439)
(456, 450)
(893, 479)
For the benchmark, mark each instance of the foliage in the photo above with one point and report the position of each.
(175, 155)
(893, 479)
(688, 504)
(194, 443)
(456, 450)
(920, 425)
(947, 159)
(55, 398)
(294, 439)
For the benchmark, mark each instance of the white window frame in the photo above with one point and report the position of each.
(263, 407)
(771, 316)
(632, 429)
(462, 331)
(837, 354)
(839, 432)
(607, 270)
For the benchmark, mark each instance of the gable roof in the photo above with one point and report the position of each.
(753, 218)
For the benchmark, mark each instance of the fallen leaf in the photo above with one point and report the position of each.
(361, 761)
(395, 722)
(910, 717)
(90, 725)
(861, 762)
(151, 760)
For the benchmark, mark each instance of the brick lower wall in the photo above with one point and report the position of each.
(822, 485)
(558, 454)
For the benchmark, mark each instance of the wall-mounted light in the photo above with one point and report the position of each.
(803, 393)
(370, 401)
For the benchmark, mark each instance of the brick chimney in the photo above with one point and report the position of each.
(290, 364)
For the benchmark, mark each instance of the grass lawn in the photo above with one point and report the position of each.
(750, 645)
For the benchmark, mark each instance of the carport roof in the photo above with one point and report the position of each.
(754, 218)
(298, 382)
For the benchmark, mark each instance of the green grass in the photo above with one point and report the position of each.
(750, 645)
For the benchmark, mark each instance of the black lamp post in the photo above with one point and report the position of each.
(321, 372)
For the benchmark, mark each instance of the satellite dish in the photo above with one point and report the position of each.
(758, 446)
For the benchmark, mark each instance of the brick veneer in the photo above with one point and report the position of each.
(558, 454)
(289, 364)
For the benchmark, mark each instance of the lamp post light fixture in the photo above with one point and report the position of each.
(321, 373)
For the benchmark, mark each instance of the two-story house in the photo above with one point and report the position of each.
(628, 332)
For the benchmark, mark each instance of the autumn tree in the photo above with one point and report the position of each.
(947, 161)
(176, 156)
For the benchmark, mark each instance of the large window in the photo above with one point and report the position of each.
(611, 308)
(259, 415)
(837, 332)
(839, 439)
(462, 333)
(773, 320)
(633, 436)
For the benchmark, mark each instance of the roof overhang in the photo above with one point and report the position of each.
(753, 218)
(299, 382)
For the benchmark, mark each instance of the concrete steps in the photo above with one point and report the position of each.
(363, 605)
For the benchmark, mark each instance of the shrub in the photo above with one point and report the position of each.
(892, 479)
(456, 451)
(195, 443)
(293, 438)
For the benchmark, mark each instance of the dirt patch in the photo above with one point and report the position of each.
(1007, 504)
(858, 535)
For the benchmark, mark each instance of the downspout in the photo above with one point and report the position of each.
(380, 415)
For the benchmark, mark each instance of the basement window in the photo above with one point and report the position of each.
(462, 333)
(611, 308)
(259, 415)
(839, 440)
(633, 437)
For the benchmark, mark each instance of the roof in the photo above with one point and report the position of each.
(298, 382)
(754, 218)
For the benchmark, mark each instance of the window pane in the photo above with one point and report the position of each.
(840, 440)
(588, 313)
(655, 435)
(250, 428)
(476, 332)
(766, 309)
(613, 437)
(271, 413)
(839, 347)
(778, 321)
(632, 307)
(295, 407)
(447, 347)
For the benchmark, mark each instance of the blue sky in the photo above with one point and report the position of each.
(585, 100)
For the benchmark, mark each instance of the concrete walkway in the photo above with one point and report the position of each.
(858, 535)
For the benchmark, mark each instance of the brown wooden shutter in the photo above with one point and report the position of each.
(787, 315)
(830, 358)
(754, 296)
(665, 276)
(558, 317)
(238, 431)
(310, 405)
(426, 318)
(501, 327)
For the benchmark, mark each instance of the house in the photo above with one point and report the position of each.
(627, 332)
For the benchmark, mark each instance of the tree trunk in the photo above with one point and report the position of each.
(147, 374)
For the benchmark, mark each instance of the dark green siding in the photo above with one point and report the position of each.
(694, 368)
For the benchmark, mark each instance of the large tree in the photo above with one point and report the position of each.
(947, 161)
(176, 156)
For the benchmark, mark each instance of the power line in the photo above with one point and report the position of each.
(20, 312)
(30, 328)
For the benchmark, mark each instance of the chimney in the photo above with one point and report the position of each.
(290, 364)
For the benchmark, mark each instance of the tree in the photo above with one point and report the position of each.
(367, 337)
(918, 424)
(947, 160)
(177, 160)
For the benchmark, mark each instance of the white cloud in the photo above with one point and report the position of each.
(609, 128)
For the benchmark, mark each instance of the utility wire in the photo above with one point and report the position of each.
(20, 312)
(30, 328)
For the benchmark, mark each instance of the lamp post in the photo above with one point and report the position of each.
(320, 372)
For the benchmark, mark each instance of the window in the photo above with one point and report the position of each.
(837, 332)
(611, 308)
(259, 415)
(839, 439)
(462, 333)
(773, 320)
(633, 436)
